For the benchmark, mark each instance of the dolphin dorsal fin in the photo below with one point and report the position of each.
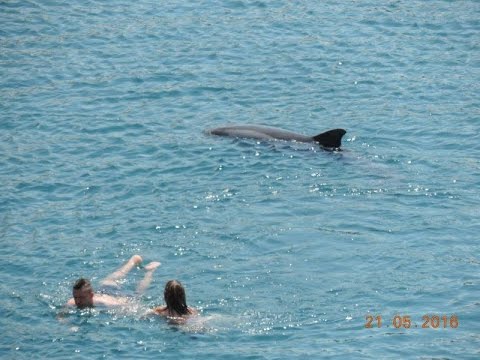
(330, 138)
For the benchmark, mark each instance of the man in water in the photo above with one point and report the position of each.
(84, 296)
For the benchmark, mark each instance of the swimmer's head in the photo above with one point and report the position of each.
(83, 293)
(175, 297)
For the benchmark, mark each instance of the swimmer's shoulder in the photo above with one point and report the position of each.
(109, 300)
(193, 311)
(163, 311)
(160, 310)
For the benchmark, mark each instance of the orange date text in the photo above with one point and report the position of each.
(430, 321)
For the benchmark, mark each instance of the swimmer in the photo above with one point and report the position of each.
(176, 309)
(85, 297)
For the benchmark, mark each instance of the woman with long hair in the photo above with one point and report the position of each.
(176, 309)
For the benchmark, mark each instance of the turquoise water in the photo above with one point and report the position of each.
(284, 248)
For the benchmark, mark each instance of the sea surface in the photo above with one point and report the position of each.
(285, 249)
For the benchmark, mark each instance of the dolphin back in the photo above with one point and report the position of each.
(327, 139)
(330, 138)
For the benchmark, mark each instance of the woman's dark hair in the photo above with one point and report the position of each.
(175, 298)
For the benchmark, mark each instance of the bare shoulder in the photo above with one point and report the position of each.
(108, 300)
(193, 311)
(160, 310)
(70, 302)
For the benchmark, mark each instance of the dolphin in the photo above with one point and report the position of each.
(331, 139)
